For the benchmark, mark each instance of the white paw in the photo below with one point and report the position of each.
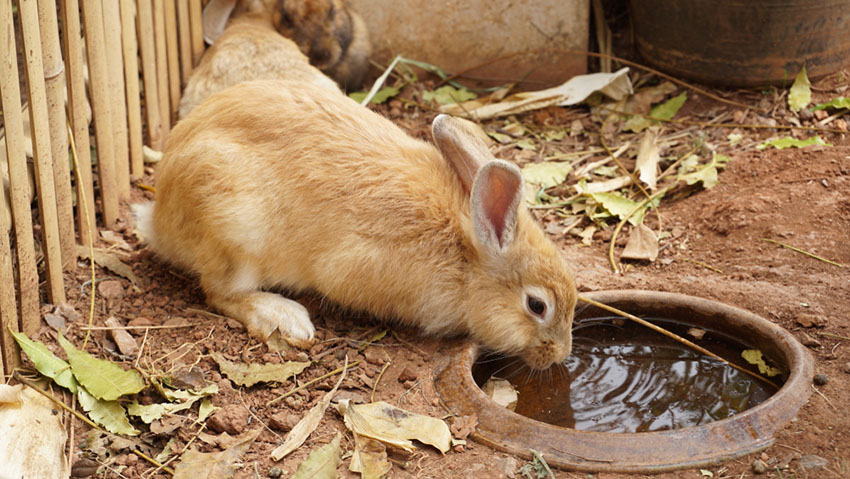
(274, 313)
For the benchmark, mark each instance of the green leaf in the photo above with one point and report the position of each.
(669, 108)
(800, 94)
(214, 465)
(553, 135)
(183, 395)
(103, 379)
(836, 103)
(526, 144)
(383, 95)
(706, 174)
(109, 414)
(788, 142)
(205, 409)
(46, 362)
(151, 412)
(664, 111)
(249, 374)
(619, 206)
(321, 463)
(546, 174)
(447, 94)
(754, 356)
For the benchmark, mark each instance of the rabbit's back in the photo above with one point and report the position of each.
(313, 191)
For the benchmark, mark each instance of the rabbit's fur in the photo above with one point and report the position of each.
(275, 184)
(249, 47)
(333, 36)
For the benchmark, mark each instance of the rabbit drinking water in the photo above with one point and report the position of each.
(275, 184)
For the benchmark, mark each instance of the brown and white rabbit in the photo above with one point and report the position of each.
(334, 37)
(273, 184)
(245, 46)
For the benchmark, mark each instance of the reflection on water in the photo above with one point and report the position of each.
(623, 377)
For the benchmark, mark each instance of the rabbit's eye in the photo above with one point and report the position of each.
(536, 306)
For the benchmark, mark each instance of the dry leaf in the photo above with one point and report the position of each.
(463, 426)
(648, 157)
(642, 245)
(369, 458)
(321, 463)
(296, 437)
(395, 426)
(214, 465)
(11, 395)
(501, 392)
(106, 259)
(32, 441)
(245, 374)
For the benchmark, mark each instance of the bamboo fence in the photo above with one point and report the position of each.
(113, 68)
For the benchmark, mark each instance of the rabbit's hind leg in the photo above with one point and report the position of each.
(235, 293)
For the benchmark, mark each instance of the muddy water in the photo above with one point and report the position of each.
(623, 377)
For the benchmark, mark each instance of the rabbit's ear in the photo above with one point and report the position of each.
(215, 17)
(495, 202)
(461, 145)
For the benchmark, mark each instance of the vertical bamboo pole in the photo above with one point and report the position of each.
(10, 96)
(161, 64)
(78, 105)
(184, 33)
(173, 59)
(156, 137)
(131, 76)
(9, 355)
(99, 88)
(195, 21)
(115, 81)
(54, 81)
(28, 11)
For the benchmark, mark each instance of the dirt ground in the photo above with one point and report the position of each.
(714, 250)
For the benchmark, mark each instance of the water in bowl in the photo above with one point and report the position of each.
(623, 377)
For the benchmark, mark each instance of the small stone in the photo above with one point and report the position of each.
(841, 124)
(407, 375)
(235, 325)
(508, 467)
(126, 343)
(68, 312)
(821, 114)
(283, 421)
(302, 357)
(811, 320)
(759, 466)
(846, 367)
(112, 290)
(231, 419)
(809, 341)
(810, 462)
(55, 321)
(373, 356)
(806, 114)
(340, 354)
(188, 378)
(435, 402)
(820, 379)
(275, 472)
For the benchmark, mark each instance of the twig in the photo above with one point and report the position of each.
(836, 336)
(798, 250)
(824, 397)
(86, 420)
(380, 81)
(707, 266)
(378, 379)
(312, 381)
(109, 328)
(82, 193)
(674, 337)
(789, 447)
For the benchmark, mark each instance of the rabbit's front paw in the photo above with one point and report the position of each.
(268, 316)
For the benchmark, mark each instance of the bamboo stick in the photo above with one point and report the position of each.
(9, 355)
(99, 88)
(161, 64)
(131, 77)
(28, 11)
(195, 22)
(184, 33)
(156, 138)
(173, 56)
(78, 105)
(115, 80)
(19, 192)
(54, 82)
